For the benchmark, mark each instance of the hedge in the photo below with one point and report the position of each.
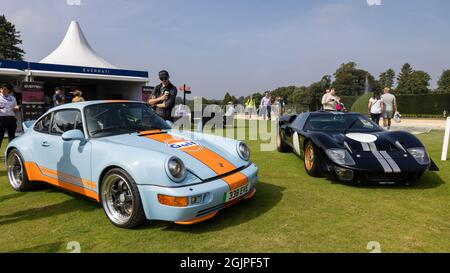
(417, 105)
(361, 104)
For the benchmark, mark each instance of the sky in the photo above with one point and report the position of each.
(244, 46)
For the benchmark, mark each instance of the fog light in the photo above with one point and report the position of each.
(344, 174)
(198, 199)
(173, 201)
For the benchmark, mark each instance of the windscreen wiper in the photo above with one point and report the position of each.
(112, 129)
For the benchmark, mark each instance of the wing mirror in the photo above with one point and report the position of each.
(73, 135)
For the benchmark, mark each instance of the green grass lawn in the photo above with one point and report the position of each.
(291, 212)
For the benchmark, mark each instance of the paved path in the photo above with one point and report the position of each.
(419, 126)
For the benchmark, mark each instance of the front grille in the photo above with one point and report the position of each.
(385, 177)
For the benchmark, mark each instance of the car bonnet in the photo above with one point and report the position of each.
(204, 159)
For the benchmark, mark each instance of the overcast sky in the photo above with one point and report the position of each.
(244, 46)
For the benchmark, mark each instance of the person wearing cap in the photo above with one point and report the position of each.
(163, 97)
(8, 109)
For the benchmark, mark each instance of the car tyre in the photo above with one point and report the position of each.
(312, 160)
(121, 200)
(282, 147)
(17, 173)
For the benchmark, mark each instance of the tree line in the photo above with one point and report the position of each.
(349, 80)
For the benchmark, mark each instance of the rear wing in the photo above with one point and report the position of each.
(26, 125)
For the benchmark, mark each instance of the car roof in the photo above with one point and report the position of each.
(318, 113)
(81, 105)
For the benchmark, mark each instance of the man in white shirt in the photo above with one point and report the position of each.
(389, 107)
(266, 106)
(8, 109)
(329, 100)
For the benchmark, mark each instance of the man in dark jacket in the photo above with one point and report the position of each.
(163, 97)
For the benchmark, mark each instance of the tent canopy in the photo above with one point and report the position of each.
(75, 50)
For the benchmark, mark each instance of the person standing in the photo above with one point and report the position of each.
(389, 107)
(163, 97)
(324, 97)
(77, 96)
(375, 108)
(57, 97)
(8, 109)
(282, 105)
(329, 100)
(266, 106)
(250, 105)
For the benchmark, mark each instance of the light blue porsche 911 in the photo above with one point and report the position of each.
(124, 156)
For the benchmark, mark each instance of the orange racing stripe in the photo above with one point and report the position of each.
(35, 174)
(211, 159)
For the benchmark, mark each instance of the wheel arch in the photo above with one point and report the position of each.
(104, 172)
(10, 148)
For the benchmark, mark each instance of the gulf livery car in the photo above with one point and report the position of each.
(121, 154)
(352, 148)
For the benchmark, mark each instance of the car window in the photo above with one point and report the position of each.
(341, 122)
(108, 119)
(43, 125)
(63, 121)
(78, 122)
(299, 122)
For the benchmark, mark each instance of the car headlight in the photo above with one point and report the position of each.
(340, 156)
(420, 154)
(243, 151)
(175, 169)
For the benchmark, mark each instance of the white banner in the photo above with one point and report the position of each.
(446, 139)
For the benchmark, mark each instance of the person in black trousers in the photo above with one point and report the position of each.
(8, 109)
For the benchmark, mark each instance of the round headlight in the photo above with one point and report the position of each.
(243, 151)
(176, 169)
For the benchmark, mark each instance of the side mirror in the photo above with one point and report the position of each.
(73, 135)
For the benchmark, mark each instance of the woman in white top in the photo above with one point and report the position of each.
(8, 109)
(375, 108)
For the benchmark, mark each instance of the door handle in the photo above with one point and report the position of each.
(45, 144)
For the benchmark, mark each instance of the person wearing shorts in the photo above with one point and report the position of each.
(389, 107)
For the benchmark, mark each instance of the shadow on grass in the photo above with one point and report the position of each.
(429, 180)
(37, 213)
(266, 197)
(46, 248)
(11, 196)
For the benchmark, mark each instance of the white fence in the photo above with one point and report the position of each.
(446, 140)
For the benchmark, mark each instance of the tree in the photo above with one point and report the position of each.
(326, 80)
(420, 81)
(412, 82)
(444, 82)
(387, 78)
(350, 81)
(227, 98)
(404, 80)
(284, 92)
(9, 41)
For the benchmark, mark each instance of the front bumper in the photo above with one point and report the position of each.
(192, 214)
(351, 175)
